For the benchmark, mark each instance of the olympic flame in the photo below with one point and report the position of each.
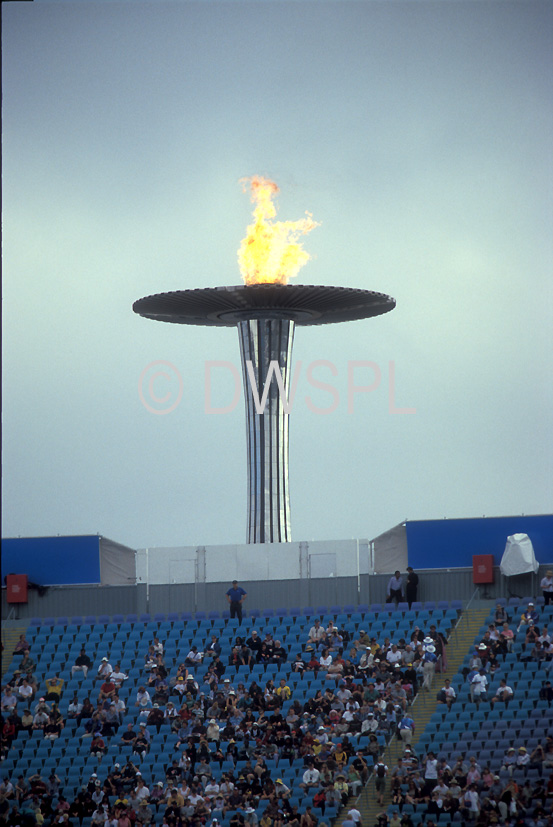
(271, 253)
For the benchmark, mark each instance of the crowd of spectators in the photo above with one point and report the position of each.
(336, 735)
(232, 739)
(472, 791)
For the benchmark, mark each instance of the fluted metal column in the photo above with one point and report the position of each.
(261, 342)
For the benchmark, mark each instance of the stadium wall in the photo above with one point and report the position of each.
(435, 584)
(452, 543)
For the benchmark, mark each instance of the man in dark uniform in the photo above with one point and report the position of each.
(236, 596)
(411, 586)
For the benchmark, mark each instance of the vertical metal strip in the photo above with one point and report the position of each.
(263, 341)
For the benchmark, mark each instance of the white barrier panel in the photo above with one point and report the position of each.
(249, 562)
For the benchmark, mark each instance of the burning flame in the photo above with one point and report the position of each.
(270, 252)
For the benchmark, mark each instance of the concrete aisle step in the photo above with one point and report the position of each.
(10, 636)
(460, 643)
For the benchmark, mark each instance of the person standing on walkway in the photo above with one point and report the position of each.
(411, 586)
(429, 665)
(236, 596)
(546, 586)
(394, 590)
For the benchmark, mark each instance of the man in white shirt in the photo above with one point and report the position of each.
(393, 655)
(447, 694)
(104, 670)
(317, 635)
(430, 772)
(118, 677)
(503, 693)
(25, 690)
(311, 778)
(394, 590)
(478, 687)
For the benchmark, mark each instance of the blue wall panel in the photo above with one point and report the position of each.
(53, 560)
(447, 544)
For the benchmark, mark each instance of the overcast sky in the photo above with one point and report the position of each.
(417, 134)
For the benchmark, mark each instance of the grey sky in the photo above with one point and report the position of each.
(418, 134)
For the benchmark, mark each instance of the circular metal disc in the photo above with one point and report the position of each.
(226, 306)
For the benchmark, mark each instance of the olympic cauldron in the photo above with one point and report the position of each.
(266, 316)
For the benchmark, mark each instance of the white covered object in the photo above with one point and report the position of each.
(518, 557)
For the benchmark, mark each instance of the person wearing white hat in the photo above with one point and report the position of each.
(213, 731)
(429, 666)
(104, 670)
(530, 615)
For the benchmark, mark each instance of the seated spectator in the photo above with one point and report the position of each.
(149, 659)
(53, 728)
(283, 690)
(118, 677)
(9, 699)
(532, 636)
(529, 615)
(92, 725)
(107, 690)
(27, 721)
(54, 687)
(161, 692)
(21, 646)
(194, 658)
(317, 635)
(447, 694)
(509, 760)
(157, 645)
(110, 721)
(325, 660)
(141, 743)
(86, 712)
(156, 717)
(25, 691)
(279, 654)
(104, 670)
(503, 694)
(500, 614)
(98, 747)
(82, 663)
(27, 664)
(523, 758)
(311, 778)
(537, 653)
(129, 735)
(234, 657)
(508, 635)
(213, 647)
(546, 692)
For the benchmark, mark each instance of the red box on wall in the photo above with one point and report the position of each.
(16, 587)
(482, 568)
